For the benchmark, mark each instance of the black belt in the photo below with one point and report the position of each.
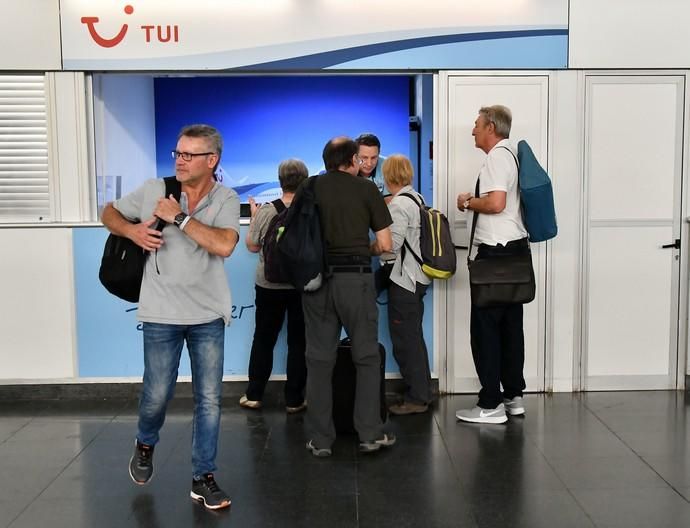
(348, 260)
(350, 269)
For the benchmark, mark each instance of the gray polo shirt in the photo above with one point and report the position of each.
(183, 283)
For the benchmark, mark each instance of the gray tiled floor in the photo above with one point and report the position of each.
(598, 459)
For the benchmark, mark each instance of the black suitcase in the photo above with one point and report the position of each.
(344, 381)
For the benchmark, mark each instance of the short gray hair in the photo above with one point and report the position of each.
(500, 116)
(208, 132)
(291, 173)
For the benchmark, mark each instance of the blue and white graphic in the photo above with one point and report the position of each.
(265, 120)
(109, 338)
(320, 34)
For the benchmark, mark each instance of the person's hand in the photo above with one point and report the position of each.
(462, 198)
(167, 209)
(253, 206)
(144, 236)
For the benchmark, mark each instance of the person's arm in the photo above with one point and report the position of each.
(220, 241)
(250, 240)
(492, 203)
(384, 241)
(142, 234)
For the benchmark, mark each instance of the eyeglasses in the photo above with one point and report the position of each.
(187, 156)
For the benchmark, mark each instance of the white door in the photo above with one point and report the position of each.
(459, 163)
(633, 175)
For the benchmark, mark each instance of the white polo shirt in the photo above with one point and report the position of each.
(499, 173)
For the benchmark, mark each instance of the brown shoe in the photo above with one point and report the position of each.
(249, 404)
(400, 409)
(296, 409)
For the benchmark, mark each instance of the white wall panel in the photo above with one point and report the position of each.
(629, 288)
(565, 155)
(629, 163)
(30, 35)
(37, 307)
(629, 34)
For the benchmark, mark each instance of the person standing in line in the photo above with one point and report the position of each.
(185, 298)
(348, 208)
(408, 285)
(497, 337)
(273, 301)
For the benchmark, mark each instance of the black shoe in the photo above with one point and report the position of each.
(141, 463)
(206, 490)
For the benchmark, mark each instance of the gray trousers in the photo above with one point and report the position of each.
(346, 300)
(405, 316)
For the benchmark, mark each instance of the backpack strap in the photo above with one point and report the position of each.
(517, 163)
(406, 244)
(279, 205)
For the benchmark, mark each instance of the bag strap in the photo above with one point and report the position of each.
(474, 224)
(279, 205)
(406, 244)
(517, 163)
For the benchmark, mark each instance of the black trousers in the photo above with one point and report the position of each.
(271, 307)
(497, 338)
(405, 316)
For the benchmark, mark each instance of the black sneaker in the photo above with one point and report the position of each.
(206, 490)
(141, 463)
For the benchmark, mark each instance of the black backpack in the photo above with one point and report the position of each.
(273, 269)
(437, 259)
(122, 264)
(300, 243)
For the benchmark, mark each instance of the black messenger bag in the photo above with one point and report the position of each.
(499, 281)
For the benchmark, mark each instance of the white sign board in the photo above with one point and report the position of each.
(294, 34)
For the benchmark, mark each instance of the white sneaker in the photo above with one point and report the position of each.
(480, 415)
(515, 406)
(249, 404)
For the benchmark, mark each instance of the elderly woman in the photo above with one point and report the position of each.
(407, 288)
(273, 301)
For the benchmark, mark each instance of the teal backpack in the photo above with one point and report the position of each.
(536, 195)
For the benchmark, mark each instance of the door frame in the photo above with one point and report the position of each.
(442, 326)
(678, 331)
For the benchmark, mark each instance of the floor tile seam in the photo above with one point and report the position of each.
(15, 432)
(456, 473)
(38, 496)
(566, 488)
(614, 433)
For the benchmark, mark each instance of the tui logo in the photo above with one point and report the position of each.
(152, 33)
(102, 41)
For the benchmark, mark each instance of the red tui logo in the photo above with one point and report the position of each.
(152, 33)
(105, 42)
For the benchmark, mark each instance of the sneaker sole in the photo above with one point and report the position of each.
(200, 498)
(516, 412)
(319, 452)
(486, 419)
(138, 483)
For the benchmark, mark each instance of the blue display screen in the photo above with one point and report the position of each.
(267, 119)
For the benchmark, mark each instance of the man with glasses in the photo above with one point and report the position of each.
(184, 298)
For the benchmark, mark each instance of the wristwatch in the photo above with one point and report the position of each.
(179, 219)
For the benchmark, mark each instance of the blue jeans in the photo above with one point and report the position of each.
(162, 349)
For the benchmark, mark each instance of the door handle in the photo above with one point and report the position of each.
(674, 245)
